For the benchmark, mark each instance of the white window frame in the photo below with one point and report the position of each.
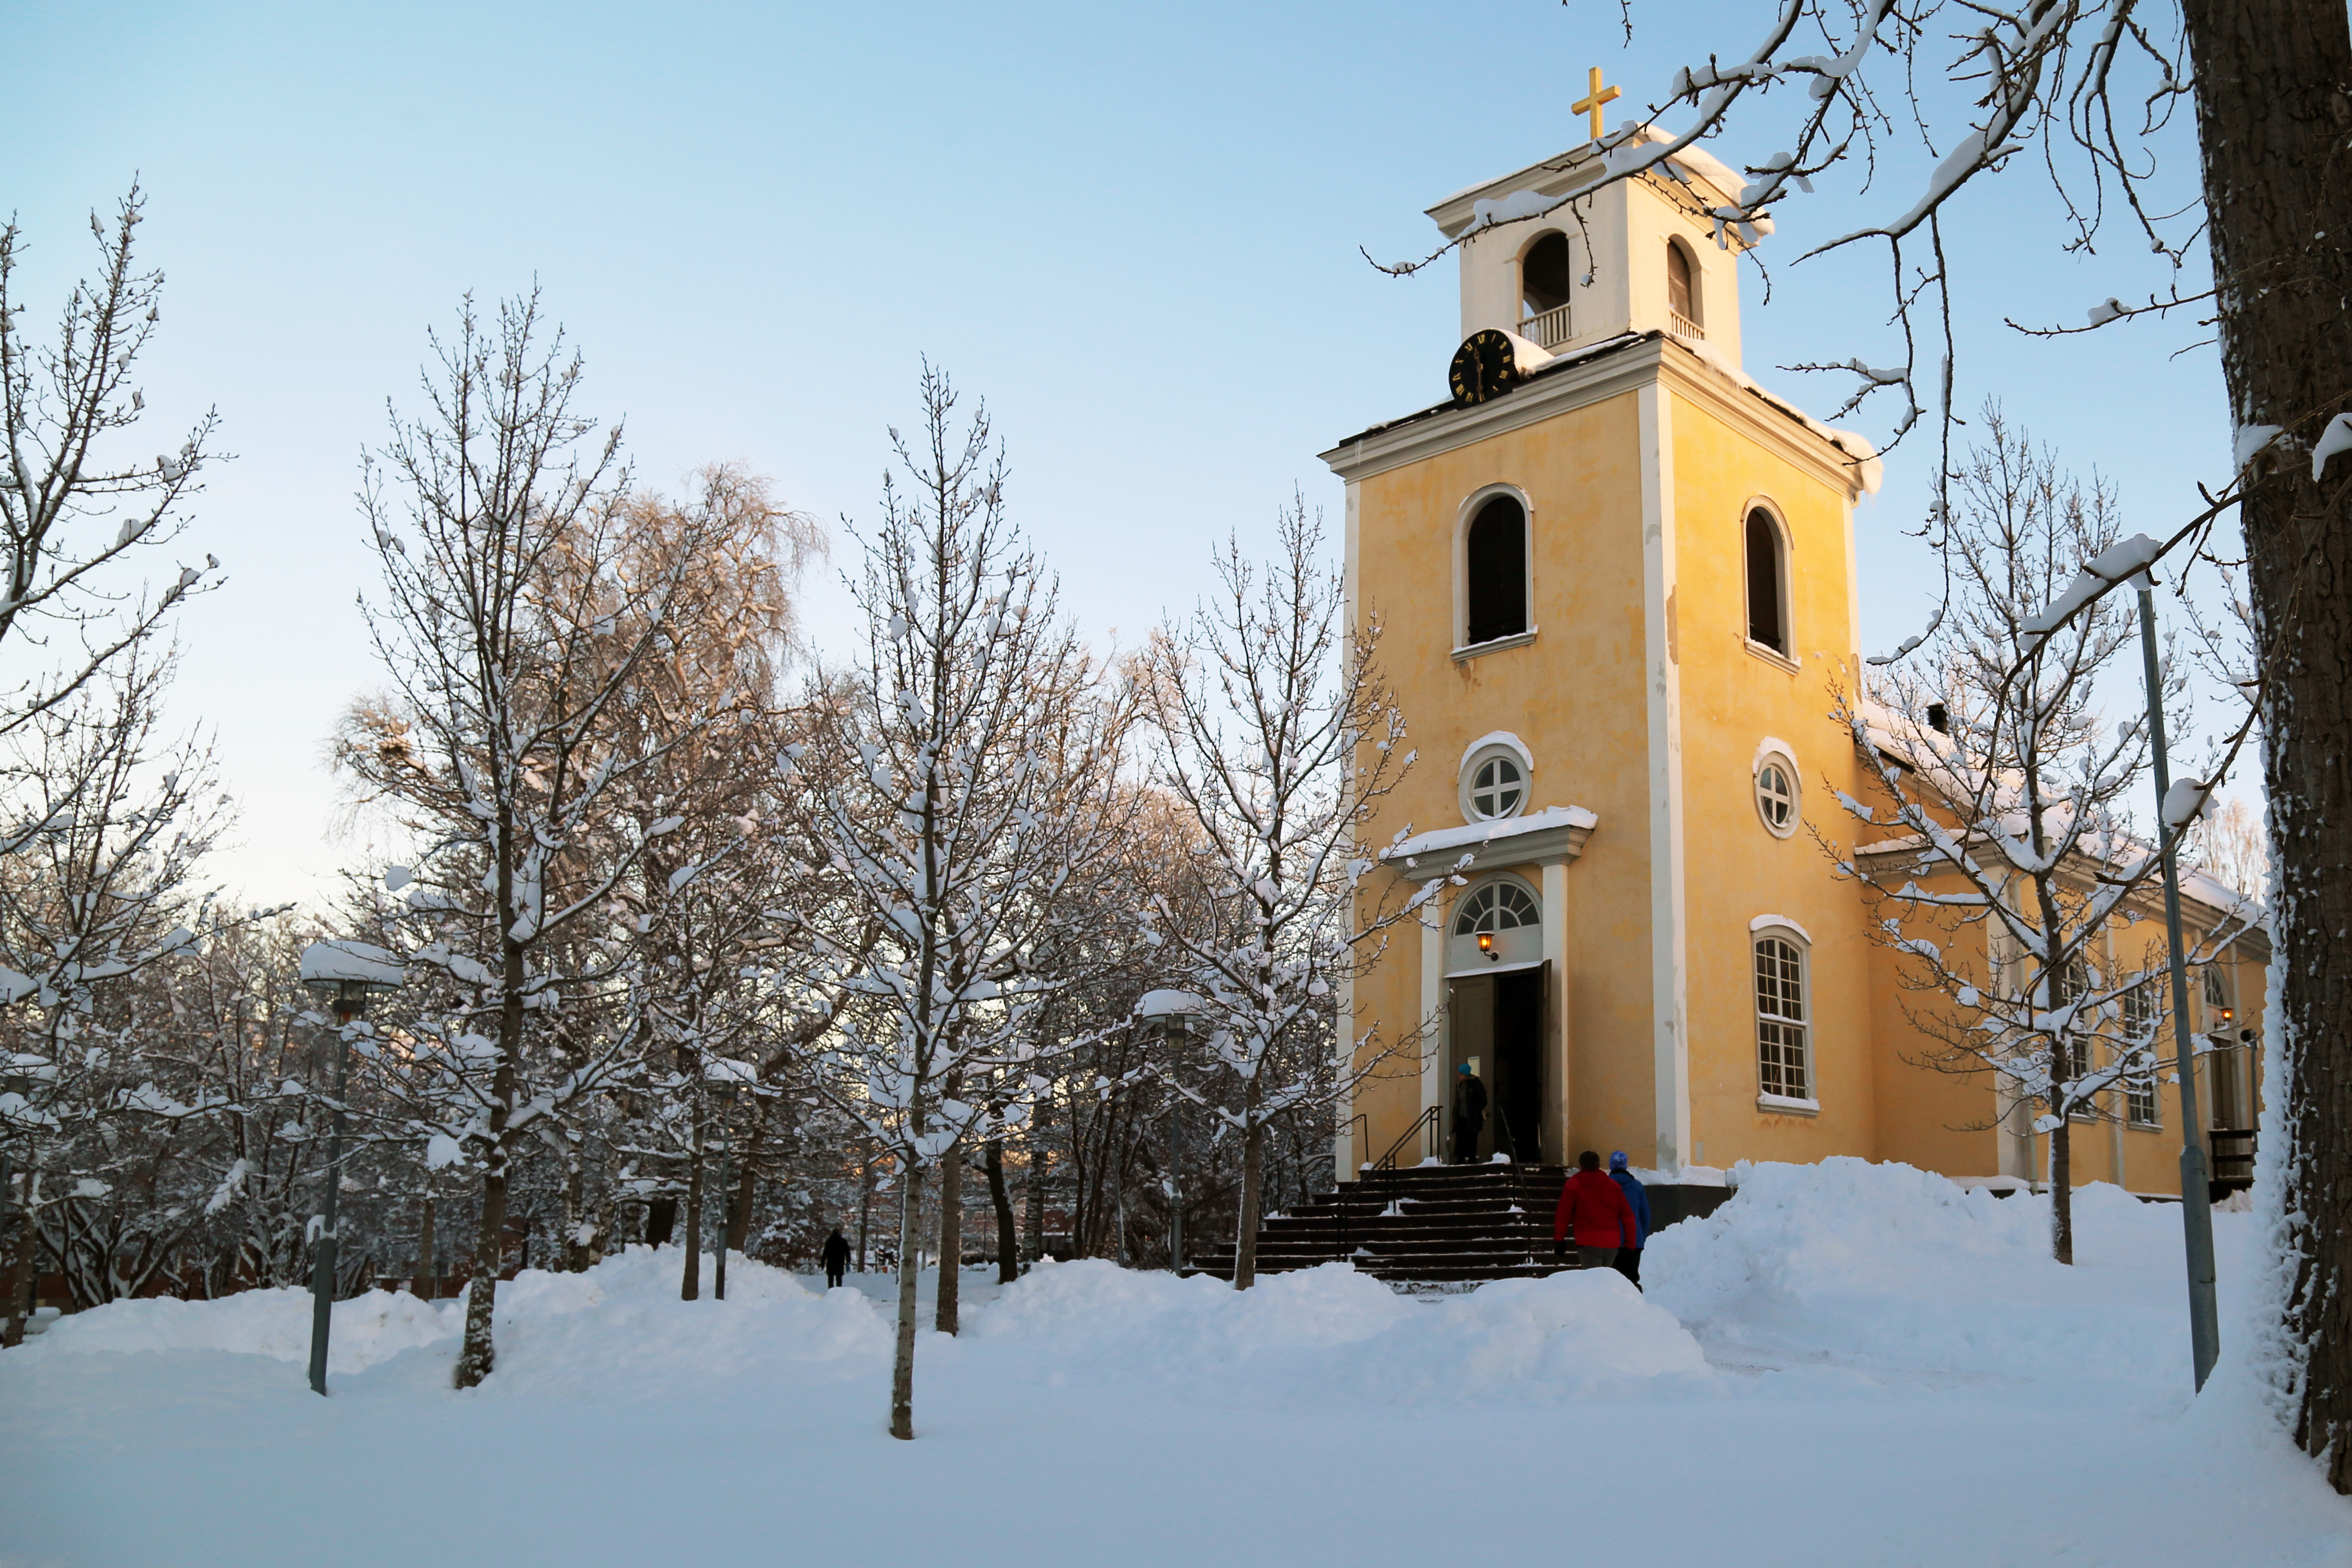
(1770, 1099)
(1470, 895)
(1696, 314)
(1774, 752)
(2149, 1010)
(1479, 756)
(1463, 516)
(1788, 538)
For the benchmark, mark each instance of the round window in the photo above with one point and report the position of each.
(1776, 796)
(1496, 787)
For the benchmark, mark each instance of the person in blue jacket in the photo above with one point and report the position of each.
(1629, 1259)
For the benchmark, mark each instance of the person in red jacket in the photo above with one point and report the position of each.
(1593, 1209)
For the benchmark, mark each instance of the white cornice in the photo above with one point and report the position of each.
(1589, 380)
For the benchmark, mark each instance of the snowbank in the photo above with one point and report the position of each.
(1330, 1335)
(1882, 1264)
(367, 1328)
(618, 1324)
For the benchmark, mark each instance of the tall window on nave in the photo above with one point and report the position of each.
(1494, 564)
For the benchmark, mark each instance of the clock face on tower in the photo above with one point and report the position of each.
(1485, 366)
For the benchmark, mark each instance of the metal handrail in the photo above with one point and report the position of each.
(1428, 1118)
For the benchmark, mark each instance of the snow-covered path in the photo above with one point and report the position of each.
(1882, 1372)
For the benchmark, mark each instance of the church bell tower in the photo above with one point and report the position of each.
(1614, 581)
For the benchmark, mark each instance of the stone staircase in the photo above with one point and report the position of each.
(1423, 1226)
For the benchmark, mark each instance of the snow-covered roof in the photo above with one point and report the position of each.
(357, 962)
(1474, 835)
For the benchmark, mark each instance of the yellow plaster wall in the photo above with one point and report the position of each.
(1732, 699)
(1574, 696)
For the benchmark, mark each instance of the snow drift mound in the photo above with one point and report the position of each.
(1883, 1264)
(1320, 1334)
(367, 1328)
(616, 1327)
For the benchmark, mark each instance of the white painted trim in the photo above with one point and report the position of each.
(1669, 1010)
(1769, 922)
(1504, 743)
(1495, 645)
(1555, 947)
(1483, 970)
(1770, 747)
(1434, 919)
(1344, 1159)
(1504, 739)
(1781, 1105)
(1463, 516)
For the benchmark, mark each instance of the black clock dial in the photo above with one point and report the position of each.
(1484, 367)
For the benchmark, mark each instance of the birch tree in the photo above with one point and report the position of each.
(960, 824)
(1280, 739)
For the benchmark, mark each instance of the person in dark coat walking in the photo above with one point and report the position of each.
(836, 1259)
(1469, 1113)
(1595, 1212)
(1629, 1259)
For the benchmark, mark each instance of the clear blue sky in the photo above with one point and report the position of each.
(1133, 229)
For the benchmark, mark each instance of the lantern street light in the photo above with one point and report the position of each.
(725, 1076)
(344, 972)
(1167, 1013)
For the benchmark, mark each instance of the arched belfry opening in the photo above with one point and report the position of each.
(1682, 285)
(1767, 620)
(1494, 571)
(1546, 277)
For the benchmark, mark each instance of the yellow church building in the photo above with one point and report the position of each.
(1615, 582)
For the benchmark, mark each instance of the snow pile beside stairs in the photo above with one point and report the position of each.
(1327, 1334)
(1865, 1264)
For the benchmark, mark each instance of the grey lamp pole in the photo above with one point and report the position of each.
(726, 1098)
(1165, 1012)
(2196, 1197)
(349, 970)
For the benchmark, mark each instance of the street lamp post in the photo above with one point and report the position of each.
(1166, 1013)
(345, 973)
(724, 1077)
(2196, 1196)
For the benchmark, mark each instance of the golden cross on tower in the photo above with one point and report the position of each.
(1592, 103)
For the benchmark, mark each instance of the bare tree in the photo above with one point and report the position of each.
(2233, 847)
(2001, 860)
(1280, 741)
(513, 626)
(964, 820)
(71, 513)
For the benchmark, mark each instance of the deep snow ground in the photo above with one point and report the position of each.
(1848, 1364)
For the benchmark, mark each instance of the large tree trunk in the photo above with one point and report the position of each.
(427, 1286)
(1008, 1243)
(2271, 78)
(902, 1361)
(951, 1238)
(478, 1355)
(1252, 1183)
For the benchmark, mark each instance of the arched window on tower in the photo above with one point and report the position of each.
(1495, 568)
(1767, 620)
(1682, 292)
(1545, 279)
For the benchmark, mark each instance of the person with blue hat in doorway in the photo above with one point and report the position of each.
(1629, 1259)
(1469, 1113)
